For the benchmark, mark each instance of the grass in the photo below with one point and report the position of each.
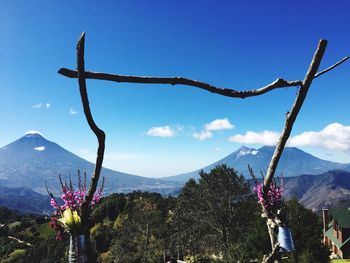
(340, 260)
(15, 256)
(45, 231)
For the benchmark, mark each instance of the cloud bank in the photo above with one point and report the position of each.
(334, 136)
(161, 131)
(209, 128)
(265, 137)
(46, 105)
(72, 111)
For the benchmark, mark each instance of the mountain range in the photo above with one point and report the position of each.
(328, 189)
(33, 160)
(27, 163)
(24, 200)
(293, 162)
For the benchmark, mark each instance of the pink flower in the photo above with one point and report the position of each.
(54, 204)
(274, 198)
(71, 200)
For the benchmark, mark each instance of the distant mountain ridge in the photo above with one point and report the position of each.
(24, 200)
(293, 162)
(330, 189)
(27, 163)
(32, 160)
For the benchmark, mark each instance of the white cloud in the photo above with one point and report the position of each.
(162, 131)
(72, 111)
(203, 135)
(334, 136)
(215, 125)
(219, 124)
(41, 105)
(250, 137)
(37, 106)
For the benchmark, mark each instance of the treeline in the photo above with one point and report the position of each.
(214, 219)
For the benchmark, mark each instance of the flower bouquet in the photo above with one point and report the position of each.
(274, 208)
(67, 219)
(273, 203)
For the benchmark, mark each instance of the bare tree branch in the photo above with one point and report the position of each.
(331, 67)
(291, 116)
(97, 131)
(270, 257)
(53, 198)
(278, 83)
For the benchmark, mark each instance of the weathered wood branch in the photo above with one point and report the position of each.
(290, 119)
(331, 67)
(85, 207)
(271, 257)
(278, 83)
(291, 116)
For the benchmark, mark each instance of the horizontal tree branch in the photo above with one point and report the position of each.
(278, 83)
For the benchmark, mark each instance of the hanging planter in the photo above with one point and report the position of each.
(285, 239)
(77, 249)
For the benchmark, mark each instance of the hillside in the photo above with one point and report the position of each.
(24, 200)
(330, 189)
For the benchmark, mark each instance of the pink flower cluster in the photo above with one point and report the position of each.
(274, 199)
(72, 200)
(56, 227)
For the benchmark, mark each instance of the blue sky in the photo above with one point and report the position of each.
(160, 130)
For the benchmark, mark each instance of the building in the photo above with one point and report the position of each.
(336, 230)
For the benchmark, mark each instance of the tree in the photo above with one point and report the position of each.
(139, 230)
(214, 215)
(307, 234)
(188, 220)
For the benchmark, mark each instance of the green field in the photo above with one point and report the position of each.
(45, 230)
(340, 260)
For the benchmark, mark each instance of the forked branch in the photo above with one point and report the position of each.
(292, 115)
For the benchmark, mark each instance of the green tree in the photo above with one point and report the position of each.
(139, 236)
(215, 214)
(306, 228)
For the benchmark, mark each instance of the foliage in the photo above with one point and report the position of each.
(45, 231)
(306, 228)
(140, 227)
(16, 256)
(215, 214)
(141, 231)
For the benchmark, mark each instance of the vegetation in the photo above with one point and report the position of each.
(215, 217)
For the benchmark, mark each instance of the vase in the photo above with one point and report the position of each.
(285, 239)
(77, 249)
